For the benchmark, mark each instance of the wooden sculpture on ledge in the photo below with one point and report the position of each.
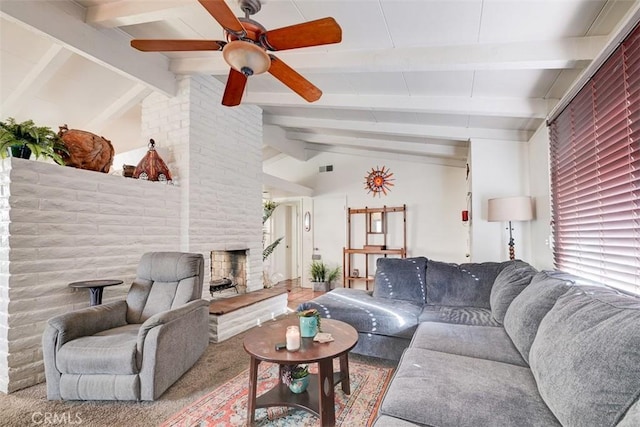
(86, 150)
(152, 167)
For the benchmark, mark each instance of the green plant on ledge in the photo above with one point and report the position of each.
(28, 138)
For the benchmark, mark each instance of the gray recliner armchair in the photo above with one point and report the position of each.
(133, 349)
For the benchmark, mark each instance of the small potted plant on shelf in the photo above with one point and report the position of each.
(322, 275)
(23, 139)
(296, 377)
(309, 322)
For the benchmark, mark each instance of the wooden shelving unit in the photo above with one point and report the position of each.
(376, 226)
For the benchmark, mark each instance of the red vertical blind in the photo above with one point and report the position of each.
(595, 174)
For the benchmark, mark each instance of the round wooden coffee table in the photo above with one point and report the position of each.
(319, 397)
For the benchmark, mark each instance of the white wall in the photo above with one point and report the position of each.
(498, 169)
(59, 225)
(434, 195)
(539, 178)
(62, 225)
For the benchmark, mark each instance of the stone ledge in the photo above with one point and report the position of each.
(231, 316)
(227, 305)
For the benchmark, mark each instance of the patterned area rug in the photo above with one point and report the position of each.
(227, 405)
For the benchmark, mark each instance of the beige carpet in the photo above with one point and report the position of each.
(220, 363)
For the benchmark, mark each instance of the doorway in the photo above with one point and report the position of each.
(286, 222)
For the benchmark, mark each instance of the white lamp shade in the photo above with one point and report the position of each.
(510, 209)
(246, 57)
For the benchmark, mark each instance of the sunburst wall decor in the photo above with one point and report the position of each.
(378, 181)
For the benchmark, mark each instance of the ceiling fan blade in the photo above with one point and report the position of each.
(312, 33)
(176, 45)
(293, 80)
(225, 16)
(235, 88)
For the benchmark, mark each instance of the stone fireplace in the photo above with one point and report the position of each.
(236, 303)
(229, 269)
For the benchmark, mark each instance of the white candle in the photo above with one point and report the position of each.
(293, 338)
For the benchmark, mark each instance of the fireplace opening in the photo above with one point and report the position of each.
(228, 271)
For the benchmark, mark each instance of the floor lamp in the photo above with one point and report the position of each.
(510, 209)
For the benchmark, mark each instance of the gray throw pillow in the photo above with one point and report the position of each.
(461, 285)
(526, 311)
(510, 282)
(586, 356)
(401, 278)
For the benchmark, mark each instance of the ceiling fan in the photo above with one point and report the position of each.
(246, 46)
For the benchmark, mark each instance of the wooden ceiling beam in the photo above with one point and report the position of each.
(124, 103)
(63, 21)
(450, 133)
(38, 76)
(568, 53)
(126, 12)
(423, 148)
(483, 106)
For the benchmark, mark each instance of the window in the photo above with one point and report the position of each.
(595, 174)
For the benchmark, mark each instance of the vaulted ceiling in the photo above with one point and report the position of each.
(410, 79)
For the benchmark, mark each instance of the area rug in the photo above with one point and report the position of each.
(227, 405)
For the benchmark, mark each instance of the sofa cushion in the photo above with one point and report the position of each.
(381, 346)
(109, 352)
(400, 278)
(439, 389)
(483, 342)
(381, 316)
(508, 285)
(460, 315)
(461, 284)
(586, 356)
(527, 309)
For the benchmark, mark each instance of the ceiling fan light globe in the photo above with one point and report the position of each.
(246, 57)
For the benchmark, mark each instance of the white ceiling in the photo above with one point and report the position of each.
(415, 79)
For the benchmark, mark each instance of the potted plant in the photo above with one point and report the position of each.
(296, 377)
(309, 322)
(322, 275)
(25, 138)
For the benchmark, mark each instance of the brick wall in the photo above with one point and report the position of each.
(61, 225)
(218, 151)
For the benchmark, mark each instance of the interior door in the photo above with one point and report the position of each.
(329, 228)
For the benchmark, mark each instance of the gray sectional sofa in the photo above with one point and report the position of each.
(496, 344)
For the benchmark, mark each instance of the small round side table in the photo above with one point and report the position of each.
(95, 288)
